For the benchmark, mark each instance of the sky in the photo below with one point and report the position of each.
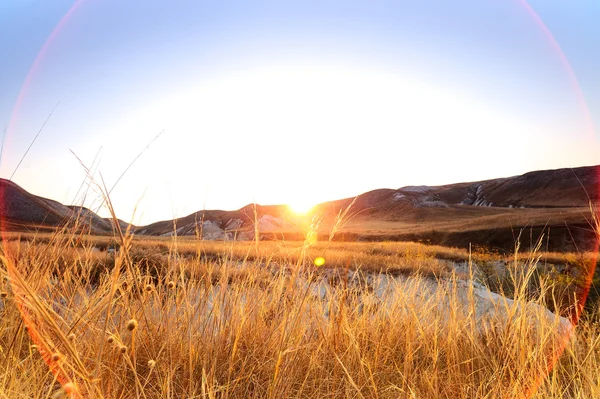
(181, 106)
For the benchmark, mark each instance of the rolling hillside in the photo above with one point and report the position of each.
(23, 211)
(489, 212)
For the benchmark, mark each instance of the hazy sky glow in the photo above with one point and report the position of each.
(292, 102)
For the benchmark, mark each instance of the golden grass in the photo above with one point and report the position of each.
(179, 318)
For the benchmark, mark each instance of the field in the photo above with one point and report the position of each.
(139, 317)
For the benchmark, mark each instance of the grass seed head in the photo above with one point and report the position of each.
(56, 357)
(132, 324)
(148, 288)
(110, 339)
(171, 284)
(69, 388)
(71, 337)
(123, 349)
(3, 294)
(151, 363)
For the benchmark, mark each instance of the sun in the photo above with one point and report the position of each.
(300, 207)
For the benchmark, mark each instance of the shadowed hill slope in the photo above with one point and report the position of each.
(23, 211)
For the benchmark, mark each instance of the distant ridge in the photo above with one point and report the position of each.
(23, 211)
(455, 214)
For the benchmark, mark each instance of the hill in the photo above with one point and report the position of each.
(488, 212)
(23, 211)
(491, 213)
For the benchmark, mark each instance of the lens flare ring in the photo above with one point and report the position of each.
(13, 274)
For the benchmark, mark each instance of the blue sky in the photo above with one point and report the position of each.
(292, 102)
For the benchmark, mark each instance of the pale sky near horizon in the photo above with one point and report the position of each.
(292, 102)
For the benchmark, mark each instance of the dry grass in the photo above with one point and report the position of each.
(190, 319)
(390, 257)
